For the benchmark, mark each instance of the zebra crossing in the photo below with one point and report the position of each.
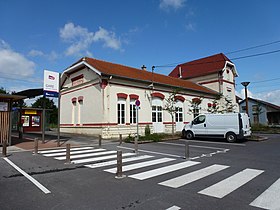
(94, 158)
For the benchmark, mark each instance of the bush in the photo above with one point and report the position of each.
(147, 130)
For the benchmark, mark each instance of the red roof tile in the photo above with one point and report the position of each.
(200, 67)
(108, 68)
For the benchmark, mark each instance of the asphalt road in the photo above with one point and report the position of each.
(244, 171)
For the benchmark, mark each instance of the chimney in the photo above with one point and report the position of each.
(144, 68)
(180, 72)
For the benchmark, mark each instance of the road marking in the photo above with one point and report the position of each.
(140, 165)
(152, 152)
(174, 208)
(86, 155)
(269, 199)
(63, 150)
(100, 158)
(113, 162)
(193, 176)
(211, 142)
(163, 170)
(226, 186)
(30, 178)
(183, 145)
(75, 152)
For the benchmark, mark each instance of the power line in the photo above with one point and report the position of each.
(254, 47)
(236, 58)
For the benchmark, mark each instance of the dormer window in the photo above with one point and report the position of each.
(77, 80)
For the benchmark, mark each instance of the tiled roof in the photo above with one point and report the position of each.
(108, 68)
(262, 102)
(201, 67)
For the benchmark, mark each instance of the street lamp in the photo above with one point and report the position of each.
(245, 84)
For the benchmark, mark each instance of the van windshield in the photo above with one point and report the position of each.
(199, 119)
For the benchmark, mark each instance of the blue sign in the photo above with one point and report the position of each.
(50, 94)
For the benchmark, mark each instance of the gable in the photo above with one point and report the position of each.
(201, 67)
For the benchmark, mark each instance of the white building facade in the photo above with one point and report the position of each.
(99, 97)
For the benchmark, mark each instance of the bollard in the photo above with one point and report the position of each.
(35, 146)
(68, 160)
(4, 149)
(99, 141)
(136, 145)
(187, 151)
(119, 174)
(120, 139)
(119, 163)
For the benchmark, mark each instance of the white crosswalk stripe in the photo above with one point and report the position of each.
(114, 162)
(163, 170)
(63, 150)
(140, 165)
(75, 152)
(193, 176)
(269, 199)
(88, 160)
(96, 153)
(226, 186)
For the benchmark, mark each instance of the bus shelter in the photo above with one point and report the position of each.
(6, 101)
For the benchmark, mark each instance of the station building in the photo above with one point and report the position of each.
(98, 97)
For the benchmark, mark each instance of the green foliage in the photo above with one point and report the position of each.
(3, 90)
(147, 130)
(49, 104)
(195, 106)
(155, 137)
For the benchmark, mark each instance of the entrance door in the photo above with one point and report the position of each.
(158, 126)
(179, 116)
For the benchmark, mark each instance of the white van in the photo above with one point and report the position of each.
(231, 126)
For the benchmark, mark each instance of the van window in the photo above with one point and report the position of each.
(199, 119)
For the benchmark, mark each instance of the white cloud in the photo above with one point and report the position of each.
(171, 4)
(81, 39)
(35, 53)
(14, 64)
(272, 97)
(190, 27)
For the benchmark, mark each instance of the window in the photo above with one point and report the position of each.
(198, 120)
(243, 108)
(121, 111)
(255, 108)
(195, 112)
(156, 113)
(132, 113)
(179, 114)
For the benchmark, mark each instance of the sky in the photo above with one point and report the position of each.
(37, 35)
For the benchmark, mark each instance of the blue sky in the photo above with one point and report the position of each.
(38, 35)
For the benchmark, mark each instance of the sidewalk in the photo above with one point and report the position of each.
(75, 140)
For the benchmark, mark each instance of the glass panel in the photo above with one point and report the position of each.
(153, 108)
(159, 117)
(181, 117)
(154, 117)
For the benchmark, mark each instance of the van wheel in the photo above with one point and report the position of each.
(189, 135)
(231, 137)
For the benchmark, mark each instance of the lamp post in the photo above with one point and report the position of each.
(245, 84)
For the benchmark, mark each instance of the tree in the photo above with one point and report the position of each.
(195, 106)
(170, 106)
(39, 103)
(3, 90)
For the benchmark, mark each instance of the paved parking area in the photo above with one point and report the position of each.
(222, 175)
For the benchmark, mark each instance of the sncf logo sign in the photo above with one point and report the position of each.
(51, 77)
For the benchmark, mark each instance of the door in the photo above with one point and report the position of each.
(199, 125)
(179, 116)
(158, 126)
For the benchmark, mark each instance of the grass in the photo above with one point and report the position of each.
(265, 129)
(155, 137)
